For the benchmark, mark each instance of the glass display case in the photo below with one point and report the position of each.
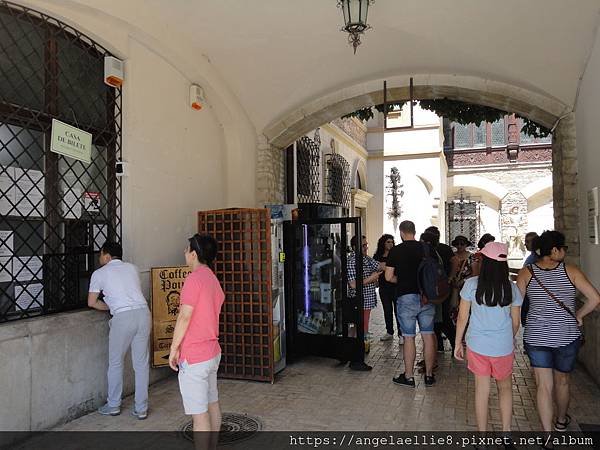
(319, 319)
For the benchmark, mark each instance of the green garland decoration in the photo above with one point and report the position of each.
(457, 111)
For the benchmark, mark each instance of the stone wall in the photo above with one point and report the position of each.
(564, 178)
(270, 175)
(54, 369)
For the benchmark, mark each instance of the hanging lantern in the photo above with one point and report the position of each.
(355, 19)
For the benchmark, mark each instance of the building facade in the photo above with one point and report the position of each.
(466, 180)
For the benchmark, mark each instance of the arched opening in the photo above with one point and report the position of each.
(537, 106)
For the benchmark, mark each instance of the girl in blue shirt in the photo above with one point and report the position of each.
(495, 306)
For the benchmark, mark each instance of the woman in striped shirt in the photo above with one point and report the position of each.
(552, 334)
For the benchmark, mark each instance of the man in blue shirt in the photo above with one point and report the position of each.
(532, 257)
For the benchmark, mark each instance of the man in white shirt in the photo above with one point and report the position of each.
(129, 327)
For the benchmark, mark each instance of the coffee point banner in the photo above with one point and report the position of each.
(166, 287)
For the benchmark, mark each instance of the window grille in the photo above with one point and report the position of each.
(479, 134)
(338, 180)
(55, 212)
(498, 135)
(308, 173)
(463, 218)
(461, 136)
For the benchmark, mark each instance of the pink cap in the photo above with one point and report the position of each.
(495, 250)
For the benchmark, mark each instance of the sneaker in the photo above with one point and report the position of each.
(386, 337)
(429, 380)
(106, 410)
(360, 366)
(403, 381)
(140, 415)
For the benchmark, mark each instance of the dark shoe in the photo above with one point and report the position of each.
(440, 346)
(403, 381)
(562, 426)
(429, 380)
(360, 366)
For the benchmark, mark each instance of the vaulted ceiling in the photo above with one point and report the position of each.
(276, 55)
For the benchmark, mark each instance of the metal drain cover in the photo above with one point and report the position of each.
(234, 427)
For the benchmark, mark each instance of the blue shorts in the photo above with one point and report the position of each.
(561, 359)
(410, 311)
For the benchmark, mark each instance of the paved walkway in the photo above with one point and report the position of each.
(317, 394)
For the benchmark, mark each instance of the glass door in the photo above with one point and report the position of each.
(322, 320)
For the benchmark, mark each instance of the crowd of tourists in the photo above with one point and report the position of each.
(445, 291)
(470, 299)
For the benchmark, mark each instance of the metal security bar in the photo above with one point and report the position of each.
(55, 211)
(308, 173)
(337, 180)
(463, 218)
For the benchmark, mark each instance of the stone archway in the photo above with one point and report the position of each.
(533, 104)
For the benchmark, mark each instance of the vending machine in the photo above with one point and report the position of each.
(319, 320)
(278, 294)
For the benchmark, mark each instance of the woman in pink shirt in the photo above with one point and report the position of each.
(195, 350)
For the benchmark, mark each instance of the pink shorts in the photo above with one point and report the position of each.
(499, 367)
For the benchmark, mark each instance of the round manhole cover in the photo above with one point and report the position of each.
(234, 427)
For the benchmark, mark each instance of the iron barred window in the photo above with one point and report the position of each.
(55, 211)
(462, 218)
(308, 170)
(337, 180)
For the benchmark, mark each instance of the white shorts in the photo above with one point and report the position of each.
(198, 385)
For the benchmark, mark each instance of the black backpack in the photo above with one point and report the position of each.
(432, 278)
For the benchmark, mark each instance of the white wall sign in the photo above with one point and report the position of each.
(100, 236)
(29, 192)
(29, 296)
(71, 203)
(5, 269)
(6, 243)
(91, 202)
(27, 268)
(7, 175)
(69, 141)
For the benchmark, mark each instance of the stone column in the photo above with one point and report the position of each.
(270, 174)
(564, 184)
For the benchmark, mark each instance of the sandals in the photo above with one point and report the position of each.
(562, 426)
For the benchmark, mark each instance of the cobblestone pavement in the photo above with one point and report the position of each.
(318, 394)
